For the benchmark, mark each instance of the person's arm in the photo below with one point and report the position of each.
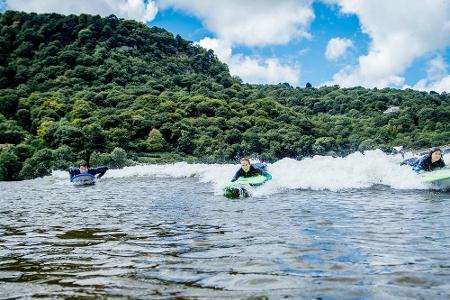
(73, 171)
(263, 173)
(267, 175)
(100, 171)
(410, 161)
(237, 175)
(422, 165)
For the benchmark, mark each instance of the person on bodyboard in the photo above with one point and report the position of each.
(247, 170)
(83, 168)
(429, 162)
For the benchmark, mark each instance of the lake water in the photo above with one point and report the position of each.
(359, 227)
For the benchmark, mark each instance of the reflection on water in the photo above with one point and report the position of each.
(163, 238)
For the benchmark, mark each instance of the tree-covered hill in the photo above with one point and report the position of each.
(103, 89)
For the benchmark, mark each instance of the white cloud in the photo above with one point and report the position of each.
(251, 22)
(442, 85)
(337, 47)
(139, 10)
(398, 36)
(438, 79)
(250, 69)
(437, 68)
(220, 48)
(270, 70)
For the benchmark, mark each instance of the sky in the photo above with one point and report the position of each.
(371, 43)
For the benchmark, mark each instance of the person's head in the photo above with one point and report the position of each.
(245, 164)
(436, 154)
(83, 166)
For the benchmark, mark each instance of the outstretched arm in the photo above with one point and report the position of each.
(100, 171)
(422, 165)
(267, 175)
(73, 171)
(237, 175)
(264, 173)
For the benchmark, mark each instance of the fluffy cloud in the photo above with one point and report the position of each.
(442, 85)
(337, 47)
(220, 48)
(437, 68)
(250, 69)
(438, 79)
(139, 10)
(398, 36)
(251, 22)
(264, 71)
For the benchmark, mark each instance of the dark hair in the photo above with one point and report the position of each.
(245, 159)
(84, 164)
(432, 150)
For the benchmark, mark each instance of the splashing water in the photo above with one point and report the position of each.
(354, 171)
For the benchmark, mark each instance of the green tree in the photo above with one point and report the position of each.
(155, 141)
(323, 145)
(10, 131)
(118, 158)
(63, 157)
(9, 100)
(10, 165)
(367, 144)
(38, 165)
(100, 159)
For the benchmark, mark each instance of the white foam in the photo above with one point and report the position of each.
(354, 171)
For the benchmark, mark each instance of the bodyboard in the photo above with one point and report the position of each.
(83, 179)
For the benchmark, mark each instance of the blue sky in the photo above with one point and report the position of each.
(383, 43)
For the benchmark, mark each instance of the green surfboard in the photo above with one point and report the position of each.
(436, 176)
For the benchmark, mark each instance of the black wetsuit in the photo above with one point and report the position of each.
(93, 171)
(424, 163)
(252, 172)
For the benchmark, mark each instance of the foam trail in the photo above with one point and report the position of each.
(354, 171)
(214, 173)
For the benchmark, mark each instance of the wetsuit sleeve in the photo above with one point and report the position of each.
(73, 171)
(237, 175)
(410, 161)
(100, 170)
(267, 175)
(263, 173)
(422, 165)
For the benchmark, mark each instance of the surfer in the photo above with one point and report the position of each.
(429, 162)
(83, 168)
(248, 170)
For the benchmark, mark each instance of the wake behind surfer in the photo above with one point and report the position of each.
(83, 168)
(429, 162)
(249, 170)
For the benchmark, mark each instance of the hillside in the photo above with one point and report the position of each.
(105, 89)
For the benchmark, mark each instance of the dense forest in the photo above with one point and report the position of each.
(115, 92)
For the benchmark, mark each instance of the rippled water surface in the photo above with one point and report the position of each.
(143, 237)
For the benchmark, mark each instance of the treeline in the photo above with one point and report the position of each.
(110, 91)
